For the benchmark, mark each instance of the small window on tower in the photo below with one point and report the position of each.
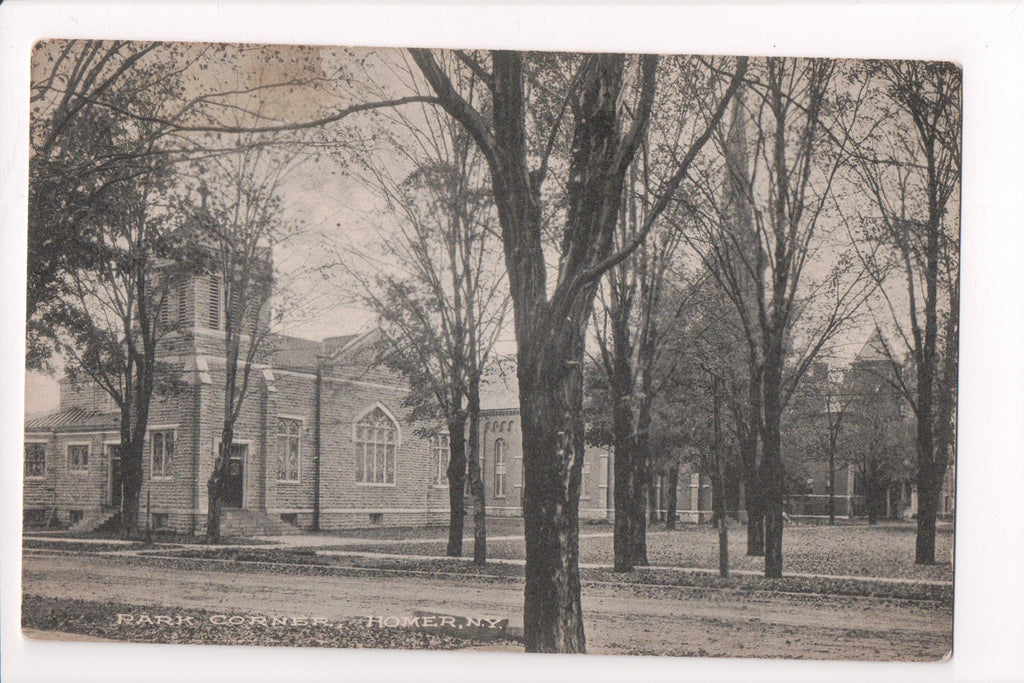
(165, 312)
(182, 291)
(213, 302)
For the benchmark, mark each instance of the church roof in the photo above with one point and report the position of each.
(71, 419)
(296, 353)
(873, 350)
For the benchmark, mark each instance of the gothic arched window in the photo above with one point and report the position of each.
(376, 440)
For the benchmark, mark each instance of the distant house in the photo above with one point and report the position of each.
(865, 395)
(502, 467)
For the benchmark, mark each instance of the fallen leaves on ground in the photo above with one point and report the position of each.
(100, 620)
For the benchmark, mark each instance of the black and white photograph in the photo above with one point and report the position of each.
(491, 351)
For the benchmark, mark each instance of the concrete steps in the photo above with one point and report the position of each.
(94, 519)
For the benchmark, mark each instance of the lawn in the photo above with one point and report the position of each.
(880, 551)
(496, 526)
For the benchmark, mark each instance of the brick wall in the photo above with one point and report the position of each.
(195, 416)
(86, 395)
(412, 499)
(292, 396)
(83, 490)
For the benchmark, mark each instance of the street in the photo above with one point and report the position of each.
(620, 619)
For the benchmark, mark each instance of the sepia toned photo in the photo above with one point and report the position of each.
(492, 351)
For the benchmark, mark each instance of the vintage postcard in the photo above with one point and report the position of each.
(491, 351)
(491, 343)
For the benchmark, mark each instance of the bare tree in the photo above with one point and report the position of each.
(633, 323)
(910, 166)
(760, 251)
(551, 320)
(240, 219)
(436, 284)
(635, 317)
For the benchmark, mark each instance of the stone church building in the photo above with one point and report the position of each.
(322, 439)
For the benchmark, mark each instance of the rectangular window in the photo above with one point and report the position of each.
(585, 482)
(500, 467)
(161, 446)
(442, 456)
(78, 458)
(288, 433)
(35, 460)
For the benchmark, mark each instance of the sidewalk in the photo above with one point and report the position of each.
(321, 540)
(326, 546)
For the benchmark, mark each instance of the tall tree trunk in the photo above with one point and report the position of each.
(476, 481)
(754, 496)
(832, 485)
(749, 436)
(932, 466)
(630, 461)
(131, 469)
(134, 419)
(927, 371)
(652, 497)
(719, 497)
(927, 511)
(772, 469)
(755, 520)
(222, 463)
(456, 474)
(927, 489)
(630, 497)
(673, 486)
(215, 485)
(551, 392)
(723, 529)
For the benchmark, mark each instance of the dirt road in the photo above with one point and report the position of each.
(619, 619)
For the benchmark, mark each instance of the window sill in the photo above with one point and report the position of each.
(376, 484)
(78, 473)
(35, 477)
(288, 482)
(163, 477)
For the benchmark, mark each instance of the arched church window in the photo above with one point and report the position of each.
(376, 440)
